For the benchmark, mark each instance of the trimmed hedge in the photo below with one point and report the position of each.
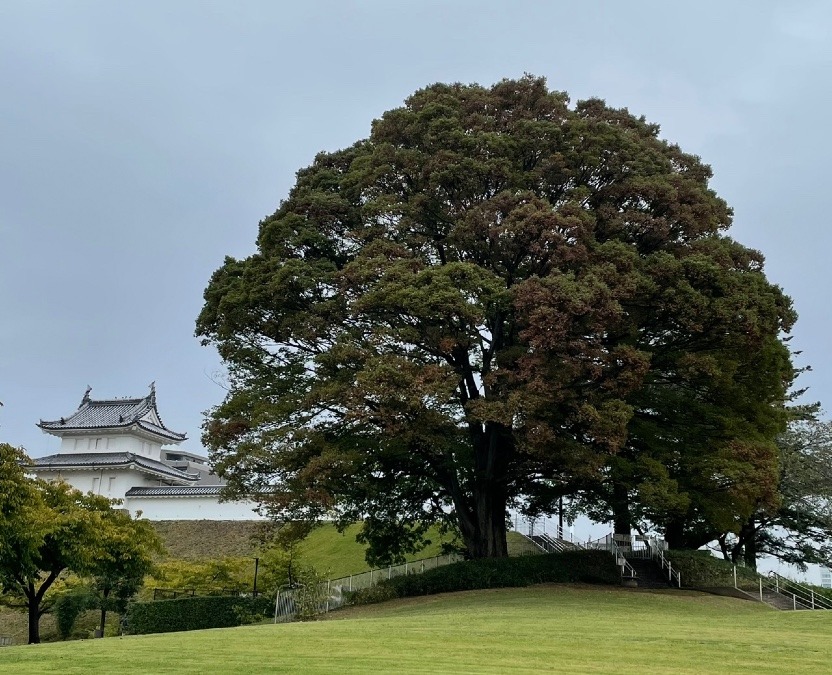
(196, 613)
(594, 567)
(700, 568)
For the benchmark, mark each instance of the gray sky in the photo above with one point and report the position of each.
(141, 142)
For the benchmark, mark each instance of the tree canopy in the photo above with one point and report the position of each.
(797, 529)
(497, 299)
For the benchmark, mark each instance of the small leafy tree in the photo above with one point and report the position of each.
(48, 528)
(128, 551)
(69, 605)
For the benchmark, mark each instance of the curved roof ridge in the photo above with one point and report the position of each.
(111, 459)
(113, 413)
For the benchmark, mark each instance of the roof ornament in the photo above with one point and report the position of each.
(153, 392)
(86, 398)
(63, 421)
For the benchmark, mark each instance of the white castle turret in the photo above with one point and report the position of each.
(115, 448)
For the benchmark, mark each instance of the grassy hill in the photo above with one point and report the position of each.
(540, 628)
(327, 550)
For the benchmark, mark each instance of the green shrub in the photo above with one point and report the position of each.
(195, 613)
(69, 606)
(369, 596)
(700, 568)
(570, 566)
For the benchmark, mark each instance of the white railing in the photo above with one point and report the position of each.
(549, 544)
(355, 582)
(794, 594)
(640, 545)
(799, 593)
(672, 575)
(609, 544)
(532, 527)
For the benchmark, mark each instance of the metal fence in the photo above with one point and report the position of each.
(292, 601)
(781, 592)
(173, 593)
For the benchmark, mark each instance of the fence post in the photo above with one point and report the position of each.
(735, 577)
(405, 568)
(329, 581)
(794, 601)
(389, 571)
(350, 582)
(679, 578)
(813, 599)
(777, 583)
(761, 589)
(371, 577)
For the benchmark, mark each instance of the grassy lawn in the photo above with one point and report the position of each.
(542, 628)
(326, 550)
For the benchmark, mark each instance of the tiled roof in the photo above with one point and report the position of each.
(110, 460)
(184, 491)
(117, 413)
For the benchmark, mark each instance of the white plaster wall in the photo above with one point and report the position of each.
(112, 443)
(111, 483)
(190, 508)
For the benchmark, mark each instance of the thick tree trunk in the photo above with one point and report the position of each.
(34, 615)
(34, 598)
(482, 514)
(750, 546)
(104, 610)
(674, 534)
(622, 523)
(484, 529)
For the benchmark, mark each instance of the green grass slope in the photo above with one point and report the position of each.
(328, 551)
(549, 628)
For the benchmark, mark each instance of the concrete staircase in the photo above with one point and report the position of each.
(649, 574)
(780, 601)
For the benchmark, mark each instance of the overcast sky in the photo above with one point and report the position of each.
(142, 142)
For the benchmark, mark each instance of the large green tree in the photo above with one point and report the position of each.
(497, 298)
(49, 528)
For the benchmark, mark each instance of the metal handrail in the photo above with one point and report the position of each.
(608, 543)
(550, 544)
(658, 556)
(800, 594)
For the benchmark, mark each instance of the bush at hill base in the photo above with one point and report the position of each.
(196, 613)
(700, 568)
(594, 567)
